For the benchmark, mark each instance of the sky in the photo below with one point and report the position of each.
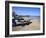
(31, 11)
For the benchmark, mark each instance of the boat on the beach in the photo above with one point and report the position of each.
(18, 20)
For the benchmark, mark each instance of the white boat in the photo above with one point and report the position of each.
(21, 20)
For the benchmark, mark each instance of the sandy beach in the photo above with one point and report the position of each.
(35, 25)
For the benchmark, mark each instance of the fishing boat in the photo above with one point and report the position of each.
(18, 20)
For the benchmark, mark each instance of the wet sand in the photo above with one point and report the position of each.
(35, 25)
